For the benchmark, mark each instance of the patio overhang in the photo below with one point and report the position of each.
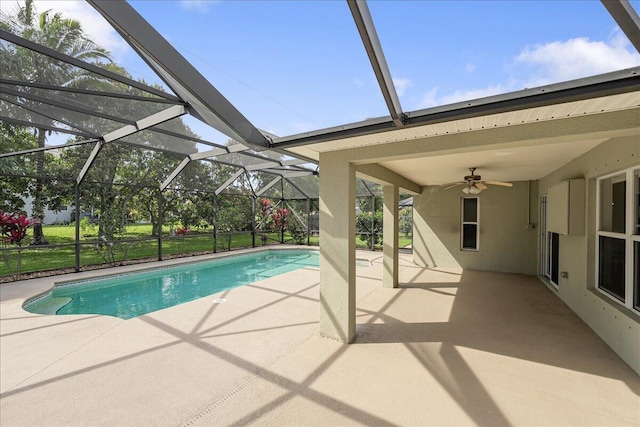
(607, 92)
(521, 144)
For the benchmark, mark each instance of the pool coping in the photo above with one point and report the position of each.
(50, 282)
(146, 268)
(149, 267)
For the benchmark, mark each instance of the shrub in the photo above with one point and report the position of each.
(406, 221)
(364, 224)
(87, 227)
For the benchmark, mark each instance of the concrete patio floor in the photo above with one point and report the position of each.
(446, 348)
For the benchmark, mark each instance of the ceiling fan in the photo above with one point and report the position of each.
(473, 183)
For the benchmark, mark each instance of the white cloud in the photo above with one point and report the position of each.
(566, 60)
(549, 63)
(401, 84)
(197, 5)
(431, 98)
(464, 95)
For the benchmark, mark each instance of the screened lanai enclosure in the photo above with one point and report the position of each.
(135, 181)
(140, 200)
(114, 168)
(110, 172)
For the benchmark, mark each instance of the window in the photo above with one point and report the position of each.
(470, 229)
(554, 258)
(618, 237)
(550, 244)
(611, 266)
(613, 195)
(636, 275)
(544, 238)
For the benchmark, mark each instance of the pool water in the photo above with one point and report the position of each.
(134, 294)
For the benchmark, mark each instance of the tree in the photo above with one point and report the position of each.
(369, 225)
(406, 221)
(122, 180)
(65, 36)
(14, 189)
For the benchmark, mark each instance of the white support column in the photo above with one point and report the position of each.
(338, 249)
(390, 236)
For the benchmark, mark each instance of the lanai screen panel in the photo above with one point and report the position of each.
(292, 191)
(95, 97)
(12, 110)
(275, 191)
(132, 107)
(55, 162)
(240, 186)
(202, 175)
(15, 108)
(162, 141)
(181, 126)
(362, 189)
(119, 163)
(260, 180)
(309, 184)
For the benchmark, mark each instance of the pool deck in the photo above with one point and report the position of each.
(449, 347)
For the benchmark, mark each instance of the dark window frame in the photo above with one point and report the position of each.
(469, 225)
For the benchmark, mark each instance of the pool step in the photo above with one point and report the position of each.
(52, 305)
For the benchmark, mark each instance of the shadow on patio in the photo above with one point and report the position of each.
(471, 348)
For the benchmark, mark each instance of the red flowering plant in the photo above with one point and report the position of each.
(181, 231)
(280, 217)
(265, 205)
(13, 227)
(271, 217)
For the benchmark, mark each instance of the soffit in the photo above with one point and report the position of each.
(494, 163)
(531, 115)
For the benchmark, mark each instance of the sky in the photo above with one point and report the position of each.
(295, 66)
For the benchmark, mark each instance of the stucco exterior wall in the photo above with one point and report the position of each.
(616, 325)
(506, 243)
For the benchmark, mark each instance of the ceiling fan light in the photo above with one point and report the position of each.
(465, 190)
(474, 190)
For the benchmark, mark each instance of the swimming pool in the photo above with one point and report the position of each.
(134, 294)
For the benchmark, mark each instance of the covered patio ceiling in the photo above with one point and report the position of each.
(527, 157)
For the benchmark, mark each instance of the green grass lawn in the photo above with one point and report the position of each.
(62, 254)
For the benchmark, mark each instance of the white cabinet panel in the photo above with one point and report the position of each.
(566, 208)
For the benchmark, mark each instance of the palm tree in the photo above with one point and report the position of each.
(63, 35)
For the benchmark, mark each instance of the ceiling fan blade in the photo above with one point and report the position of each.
(481, 186)
(500, 183)
(452, 184)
